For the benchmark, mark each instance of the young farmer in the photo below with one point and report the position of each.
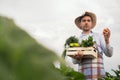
(92, 68)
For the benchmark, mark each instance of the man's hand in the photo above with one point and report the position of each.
(77, 55)
(106, 33)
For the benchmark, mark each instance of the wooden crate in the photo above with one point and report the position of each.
(88, 52)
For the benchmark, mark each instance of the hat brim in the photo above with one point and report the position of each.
(77, 20)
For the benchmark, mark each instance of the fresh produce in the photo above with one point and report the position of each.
(72, 42)
(87, 43)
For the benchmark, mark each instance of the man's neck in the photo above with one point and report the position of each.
(86, 32)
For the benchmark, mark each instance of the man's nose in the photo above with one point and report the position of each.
(86, 22)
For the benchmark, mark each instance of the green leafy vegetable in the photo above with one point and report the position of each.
(72, 42)
(88, 42)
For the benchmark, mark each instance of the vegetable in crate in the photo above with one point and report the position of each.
(88, 42)
(72, 42)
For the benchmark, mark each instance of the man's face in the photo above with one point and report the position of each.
(86, 23)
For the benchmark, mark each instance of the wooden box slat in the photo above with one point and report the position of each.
(88, 52)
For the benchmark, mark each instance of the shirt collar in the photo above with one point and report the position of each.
(86, 34)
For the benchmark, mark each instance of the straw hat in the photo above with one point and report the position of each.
(78, 19)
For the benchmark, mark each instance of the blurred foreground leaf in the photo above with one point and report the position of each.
(71, 74)
(22, 58)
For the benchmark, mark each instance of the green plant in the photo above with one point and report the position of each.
(87, 43)
(73, 40)
(112, 77)
(22, 57)
(71, 74)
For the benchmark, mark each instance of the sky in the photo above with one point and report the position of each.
(51, 22)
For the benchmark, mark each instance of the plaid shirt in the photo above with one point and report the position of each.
(94, 68)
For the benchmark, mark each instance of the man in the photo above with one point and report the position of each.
(92, 68)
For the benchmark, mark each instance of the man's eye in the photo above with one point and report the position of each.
(83, 20)
(88, 20)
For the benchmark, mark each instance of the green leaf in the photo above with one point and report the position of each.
(71, 39)
(22, 57)
(87, 43)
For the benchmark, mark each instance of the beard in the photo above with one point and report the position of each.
(86, 28)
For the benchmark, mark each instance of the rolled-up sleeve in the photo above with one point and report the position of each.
(106, 48)
(109, 51)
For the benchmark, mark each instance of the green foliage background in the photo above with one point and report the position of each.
(22, 58)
